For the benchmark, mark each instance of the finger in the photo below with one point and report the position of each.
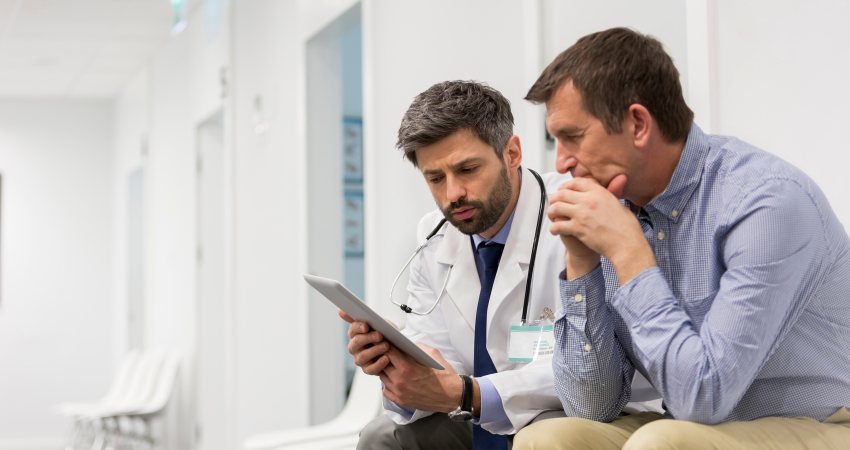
(563, 228)
(562, 211)
(376, 367)
(437, 355)
(566, 195)
(370, 354)
(389, 393)
(617, 185)
(357, 327)
(344, 316)
(399, 359)
(428, 349)
(360, 341)
(581, 184)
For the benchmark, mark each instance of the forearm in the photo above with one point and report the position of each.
(702, 373)
(672, 351)
(591, 371)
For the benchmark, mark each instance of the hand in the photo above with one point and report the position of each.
(412, 385)
(367, 346)
(584, 210)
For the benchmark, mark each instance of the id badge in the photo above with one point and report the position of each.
(531, 341)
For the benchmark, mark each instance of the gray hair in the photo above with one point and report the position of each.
(447, 107)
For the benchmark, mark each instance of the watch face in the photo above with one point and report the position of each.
(460, 415)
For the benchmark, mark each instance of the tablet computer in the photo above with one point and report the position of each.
(345, 300)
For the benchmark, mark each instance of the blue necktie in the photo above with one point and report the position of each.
(489, 255)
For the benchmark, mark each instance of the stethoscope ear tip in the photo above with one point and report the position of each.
(406, 308)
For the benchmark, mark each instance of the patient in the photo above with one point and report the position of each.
(725, 279)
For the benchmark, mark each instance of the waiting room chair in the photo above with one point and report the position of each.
(142, 388)
(341, 432)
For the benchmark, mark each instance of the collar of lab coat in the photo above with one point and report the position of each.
(455, 250)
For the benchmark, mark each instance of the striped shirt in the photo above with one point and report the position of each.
(747, 314)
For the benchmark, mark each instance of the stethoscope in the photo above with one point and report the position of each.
(409, 310)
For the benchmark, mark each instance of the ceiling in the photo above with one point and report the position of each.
(77, 48)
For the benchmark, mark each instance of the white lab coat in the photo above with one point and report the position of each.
(526, 389)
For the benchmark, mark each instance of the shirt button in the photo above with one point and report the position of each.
(578, 298)
(588, 347)
(675, 213)
(661, 235)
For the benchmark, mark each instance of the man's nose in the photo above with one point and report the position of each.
(455, 190)
(564, 162)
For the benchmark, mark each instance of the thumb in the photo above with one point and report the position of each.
(617, 185)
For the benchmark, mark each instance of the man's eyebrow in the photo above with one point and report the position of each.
(432, 172)
(568, 130)
(456, 166)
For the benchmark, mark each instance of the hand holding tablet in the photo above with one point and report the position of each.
(359, 310)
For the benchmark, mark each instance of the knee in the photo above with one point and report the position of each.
(663, 434)
(560, 433)
(378, 434)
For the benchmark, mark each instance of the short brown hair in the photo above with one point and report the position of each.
(614, 69)
(447, 107)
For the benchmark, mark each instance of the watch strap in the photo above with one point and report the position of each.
(466, 396)
(463, 413)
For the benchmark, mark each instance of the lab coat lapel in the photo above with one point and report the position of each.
(509, 287)
(464, 286)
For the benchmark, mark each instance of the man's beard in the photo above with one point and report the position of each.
(488, 211)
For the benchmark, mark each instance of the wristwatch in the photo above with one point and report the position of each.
(463, 413)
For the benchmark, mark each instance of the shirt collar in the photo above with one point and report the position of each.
(501, 237)
(685, 178)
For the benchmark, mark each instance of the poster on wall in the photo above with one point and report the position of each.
(352, 149)
(353, 223)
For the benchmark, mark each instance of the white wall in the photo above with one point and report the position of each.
(408, 46)
(270, 310)
(158, 112)
(56, 308)
(782, 71)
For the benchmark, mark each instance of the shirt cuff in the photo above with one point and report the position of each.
(492, 410)
(582, 294)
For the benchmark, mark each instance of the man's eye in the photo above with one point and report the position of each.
(435, 180)
(570, 137)
(469, 169)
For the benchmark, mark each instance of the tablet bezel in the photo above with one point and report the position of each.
(345, 300)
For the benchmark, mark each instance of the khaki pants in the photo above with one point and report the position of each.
(651, 431)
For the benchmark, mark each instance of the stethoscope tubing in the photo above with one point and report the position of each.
(543, 200)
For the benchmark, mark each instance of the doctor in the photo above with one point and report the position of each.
(471, 275)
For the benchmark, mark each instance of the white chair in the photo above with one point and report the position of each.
(103, 421)
(118, 387)
(341, 432)
(78, 411)
(135, 424)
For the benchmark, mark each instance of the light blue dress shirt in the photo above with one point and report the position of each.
(747, 314)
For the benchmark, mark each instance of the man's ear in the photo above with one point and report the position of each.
(640, 124)
(512, 155)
